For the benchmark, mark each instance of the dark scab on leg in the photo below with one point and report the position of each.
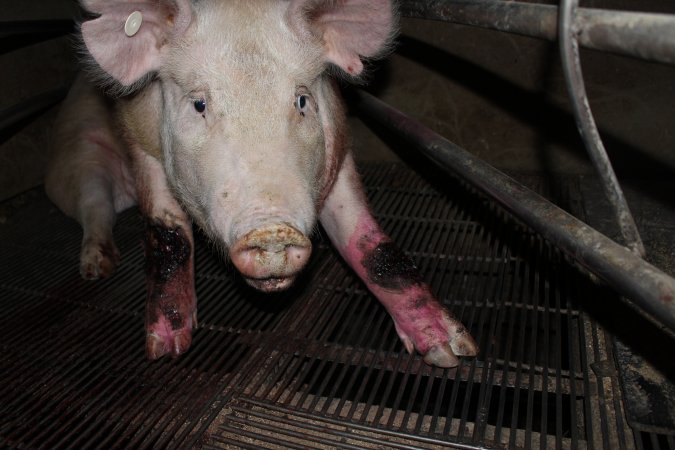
(420, 301)
(167, 250)
(170, 311)
(390, 268)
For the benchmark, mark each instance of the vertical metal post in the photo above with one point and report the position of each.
(569, 48)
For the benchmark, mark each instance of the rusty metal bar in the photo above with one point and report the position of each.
(645, 285)
(647, 36)
(571, 62)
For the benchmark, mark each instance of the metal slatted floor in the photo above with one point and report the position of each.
(319, 366)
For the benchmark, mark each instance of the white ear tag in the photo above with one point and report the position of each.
(133, 23)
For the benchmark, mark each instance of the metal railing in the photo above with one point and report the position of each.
(642, 35)
(648, 287)
(568, 31)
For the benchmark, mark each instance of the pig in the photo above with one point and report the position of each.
(227, 114)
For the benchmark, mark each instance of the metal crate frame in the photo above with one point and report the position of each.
(649, 37)
(641, 35)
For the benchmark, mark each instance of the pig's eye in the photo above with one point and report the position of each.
(302, 103)
(200, 105)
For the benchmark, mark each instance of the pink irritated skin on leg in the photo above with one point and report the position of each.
(420, 320)
(171, 301)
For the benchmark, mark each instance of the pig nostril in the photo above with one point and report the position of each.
(272, 249)
(299, 253)
(273, 252)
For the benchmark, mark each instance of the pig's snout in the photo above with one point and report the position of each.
(269, 258)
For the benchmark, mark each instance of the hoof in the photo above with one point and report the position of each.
(446, 355)
(98, 260)
(441, 356)
(174, 346)
(425, 326)
(462, 343)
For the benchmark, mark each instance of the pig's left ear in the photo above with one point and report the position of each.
(127, 38)
(349, 29)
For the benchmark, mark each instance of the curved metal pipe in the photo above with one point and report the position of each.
(571, 62)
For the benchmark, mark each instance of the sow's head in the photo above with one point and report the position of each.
(248, 124)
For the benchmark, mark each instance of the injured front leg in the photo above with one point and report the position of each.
(170, 309)
(171, 303)
(422, 323)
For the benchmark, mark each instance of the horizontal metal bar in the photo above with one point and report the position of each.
(648, 36)
(645, 285)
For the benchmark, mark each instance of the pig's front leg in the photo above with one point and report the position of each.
(169, 251)
(421, 321)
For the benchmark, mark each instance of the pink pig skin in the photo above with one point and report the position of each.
(227, 116)
(88, 175)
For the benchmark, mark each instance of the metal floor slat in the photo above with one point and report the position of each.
(319, 366)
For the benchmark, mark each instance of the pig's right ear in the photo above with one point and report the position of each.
(349, 30)
(127, 38)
